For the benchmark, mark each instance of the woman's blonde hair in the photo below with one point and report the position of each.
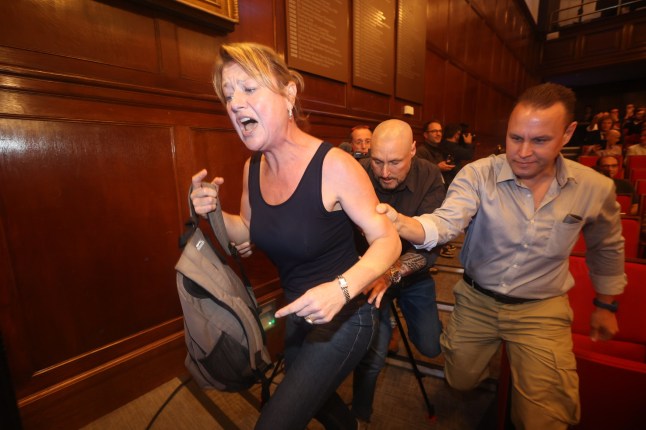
(264, 65)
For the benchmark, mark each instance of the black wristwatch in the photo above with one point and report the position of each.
(612, 307)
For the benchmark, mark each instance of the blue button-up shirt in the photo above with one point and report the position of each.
(515, 249)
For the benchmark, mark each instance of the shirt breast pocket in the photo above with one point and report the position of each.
(562, 239)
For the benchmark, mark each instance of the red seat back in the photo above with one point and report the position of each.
(631, 316)
(636, 162)
(611, 387)
(626, 202)
(630, 230)
(640, 186)
(588, 160)
(636, 174)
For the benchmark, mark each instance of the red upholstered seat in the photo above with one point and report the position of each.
(637, 174)
(630, 230)
(626, 202)
(640, 186)
(588, 160)
(635, 162)
(612, 374)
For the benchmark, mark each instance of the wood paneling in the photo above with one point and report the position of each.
(454, 93)
(438, 24)
(106, 111)
(596, 44)
(459, 12)
(435, 73)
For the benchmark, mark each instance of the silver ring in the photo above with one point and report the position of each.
(309, 320)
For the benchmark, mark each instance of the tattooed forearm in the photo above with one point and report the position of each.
(411, 262)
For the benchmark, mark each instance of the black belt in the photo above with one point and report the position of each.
(501, 298)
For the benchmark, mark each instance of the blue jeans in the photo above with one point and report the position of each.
(417, 303)
(318, 358)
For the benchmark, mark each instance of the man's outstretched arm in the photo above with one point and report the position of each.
(408, 228)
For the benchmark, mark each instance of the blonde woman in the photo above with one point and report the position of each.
(300, 198)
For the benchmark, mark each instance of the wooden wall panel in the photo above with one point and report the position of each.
(637, 32)
(368, 102)
(458, 31)
(196, 56)
(89, 178)
(106, 111)
(322, 91)
(598, 44)
(438, 24)
(435, 77)
(127, 39)
(470, 101)
(455, 92)
(601, 42)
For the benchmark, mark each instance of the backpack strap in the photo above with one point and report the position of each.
(216, 220)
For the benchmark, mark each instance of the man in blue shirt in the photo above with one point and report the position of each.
(523, 212)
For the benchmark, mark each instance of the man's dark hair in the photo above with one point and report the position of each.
(546, 95)
(451, 129)
(427, 123)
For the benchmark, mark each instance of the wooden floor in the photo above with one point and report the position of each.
(398, 402)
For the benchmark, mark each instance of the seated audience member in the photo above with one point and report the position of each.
(430, 148)
(413, 186)
(609, 166)
(632, 127)
(616, 122)
(360, 137)
(637, 149)
(613, 147)
(596, 133)
(630, 112)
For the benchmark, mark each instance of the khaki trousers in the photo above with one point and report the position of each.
(545, 392)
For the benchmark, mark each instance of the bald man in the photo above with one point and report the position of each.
(414, 186)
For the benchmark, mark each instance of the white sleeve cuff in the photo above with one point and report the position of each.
(612, 285)
(430, 232)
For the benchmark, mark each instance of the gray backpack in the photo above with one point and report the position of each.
(224, 335)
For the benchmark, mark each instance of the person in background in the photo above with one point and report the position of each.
(613, 147)
(430, 148)
(596, 133)
(413, 186)
(457, 149)
(639, 149)
(609, 166)
(297, 206)
(523, 212)
(633, 127)
(360, 138)
(616, 122)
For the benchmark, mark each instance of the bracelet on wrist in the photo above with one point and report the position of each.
(344, 287)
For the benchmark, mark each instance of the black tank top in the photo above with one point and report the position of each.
(308, 244)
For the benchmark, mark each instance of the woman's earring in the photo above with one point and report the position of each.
(291, 114)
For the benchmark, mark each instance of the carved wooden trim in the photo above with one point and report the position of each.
(220, 14)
